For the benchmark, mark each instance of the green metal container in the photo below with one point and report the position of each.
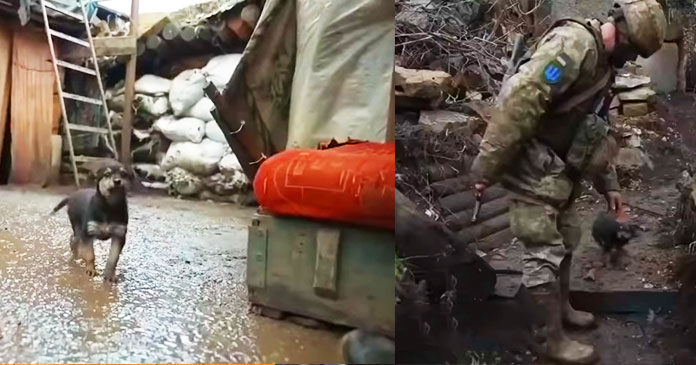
(338, 273)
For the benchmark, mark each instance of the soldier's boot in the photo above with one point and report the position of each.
(559, 347)
(571, 316)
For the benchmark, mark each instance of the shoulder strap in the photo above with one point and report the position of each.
(579, 98)
(601, 84)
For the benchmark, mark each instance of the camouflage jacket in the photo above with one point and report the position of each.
(527, 143)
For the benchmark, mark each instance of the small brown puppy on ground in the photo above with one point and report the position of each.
(612, 236)
(102, 214)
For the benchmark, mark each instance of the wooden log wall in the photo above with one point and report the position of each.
(452, 187)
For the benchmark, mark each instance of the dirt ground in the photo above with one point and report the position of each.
(181, 295)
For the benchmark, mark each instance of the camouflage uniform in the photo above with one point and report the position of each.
(540, 148)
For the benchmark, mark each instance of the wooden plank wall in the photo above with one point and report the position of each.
(31, 107)
(5, 84)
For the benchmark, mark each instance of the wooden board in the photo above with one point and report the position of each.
(31, 109)
(5, 79)
(103, 46)
(287, 264)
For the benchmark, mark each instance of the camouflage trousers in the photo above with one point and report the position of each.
(548, 234)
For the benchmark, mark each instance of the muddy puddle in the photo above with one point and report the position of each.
(181, 295)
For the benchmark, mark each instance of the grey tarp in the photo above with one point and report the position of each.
(331, 78)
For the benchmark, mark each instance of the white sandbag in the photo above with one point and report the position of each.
(152, 105)
(181, 129)
(149, 172)
(152, 85)
(186, 90)
(213, 131)
(201, 109)
(219, 69)
(199, 158)
(182, 182)
(229, 164)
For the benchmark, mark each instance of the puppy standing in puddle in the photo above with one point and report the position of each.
(102, 214)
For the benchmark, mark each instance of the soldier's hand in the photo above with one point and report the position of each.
(614, 201)
(480, 187)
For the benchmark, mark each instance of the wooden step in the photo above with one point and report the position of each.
(81, 98)
(64, 11)
(75, 67)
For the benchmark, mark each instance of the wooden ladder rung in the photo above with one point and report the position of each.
(75, 67)
(87, 159)
(69, 38)
(87, 128)
(81, 98)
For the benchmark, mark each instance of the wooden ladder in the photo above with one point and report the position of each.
(106, 133)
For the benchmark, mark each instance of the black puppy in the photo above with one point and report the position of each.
(612, 236)
(100, 213)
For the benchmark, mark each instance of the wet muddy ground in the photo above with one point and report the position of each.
(181, 295)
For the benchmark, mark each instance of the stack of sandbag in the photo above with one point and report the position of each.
(180, 146)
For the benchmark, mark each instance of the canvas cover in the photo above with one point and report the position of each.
(313, 71)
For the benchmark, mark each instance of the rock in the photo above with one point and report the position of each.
(228, 184)
(629, 81)
(424, 84)
(437, 120)
(634, 109)
(182, 182)
(632, 158)
(416, 18)
(643, 93)
(590, 276)
(615, 103)
(634, 141)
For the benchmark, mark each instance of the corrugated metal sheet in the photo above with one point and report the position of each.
(31, 109)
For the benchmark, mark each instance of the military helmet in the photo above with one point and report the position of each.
(644, 22)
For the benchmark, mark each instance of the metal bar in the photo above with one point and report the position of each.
(60, 93)
(127, 128)
(63, 11)
(81, 98)
(105, 107)
(68, 37)
(75, 67)
(87, 128)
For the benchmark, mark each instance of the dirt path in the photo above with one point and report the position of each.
(181, 297)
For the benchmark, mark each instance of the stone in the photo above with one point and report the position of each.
(630, 158)
(424, 84)
(182, 182)
(615, 103)
(629, 81)
(415, 18)
(437, 120)
(634, 109)
(634, 141)
(643, 93)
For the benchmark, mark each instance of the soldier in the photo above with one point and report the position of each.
(549, 132)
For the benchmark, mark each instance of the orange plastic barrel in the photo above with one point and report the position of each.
(352, 183)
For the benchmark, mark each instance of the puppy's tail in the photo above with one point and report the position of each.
(60, 205)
